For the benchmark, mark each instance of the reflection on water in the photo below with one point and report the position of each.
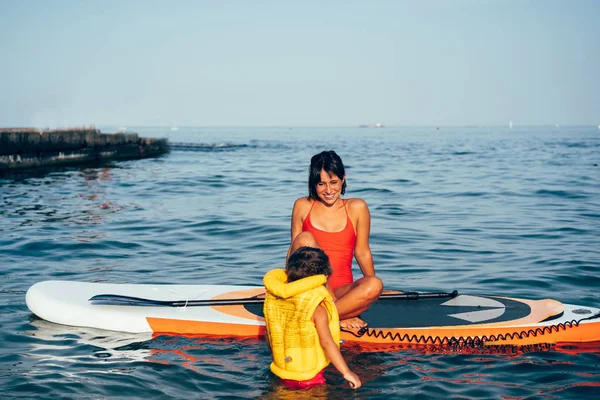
(82, 201)
(108, 345)
(188, 351)
(94, 182)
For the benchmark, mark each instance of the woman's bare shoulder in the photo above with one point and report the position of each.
(301, 204)
(356, 204)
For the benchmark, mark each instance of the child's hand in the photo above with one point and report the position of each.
(352, 379)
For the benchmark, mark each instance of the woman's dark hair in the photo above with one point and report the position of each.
(307, 261)
(329, 162)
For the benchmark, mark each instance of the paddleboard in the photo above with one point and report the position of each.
(230, 311)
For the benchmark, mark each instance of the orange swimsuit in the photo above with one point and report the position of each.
(339, 247)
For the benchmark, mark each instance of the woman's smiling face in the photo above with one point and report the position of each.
(329, 187)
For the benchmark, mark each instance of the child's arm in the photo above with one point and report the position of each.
(321, 320)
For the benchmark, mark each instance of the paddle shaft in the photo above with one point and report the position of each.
(119, 300)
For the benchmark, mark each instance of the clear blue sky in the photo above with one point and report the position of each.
(299, 63)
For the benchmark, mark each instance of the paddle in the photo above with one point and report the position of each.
(118, 300)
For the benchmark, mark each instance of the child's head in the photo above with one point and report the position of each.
(307, 261)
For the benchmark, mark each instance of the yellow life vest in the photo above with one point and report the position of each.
(288, 310)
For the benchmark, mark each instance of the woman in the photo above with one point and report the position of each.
(341, 228)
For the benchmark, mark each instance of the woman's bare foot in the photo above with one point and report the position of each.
(352, 323)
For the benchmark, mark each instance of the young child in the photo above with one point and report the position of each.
(303, 328)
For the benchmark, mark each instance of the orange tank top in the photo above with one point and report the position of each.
(339, 247)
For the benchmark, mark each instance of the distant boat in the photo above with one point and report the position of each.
(377, 125)
(122, 129)
(510, 124)
(174, 128)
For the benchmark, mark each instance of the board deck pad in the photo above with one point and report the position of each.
(460, 311)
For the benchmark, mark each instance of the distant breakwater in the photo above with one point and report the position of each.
(22, 148)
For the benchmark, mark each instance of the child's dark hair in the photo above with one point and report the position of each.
(307, 261)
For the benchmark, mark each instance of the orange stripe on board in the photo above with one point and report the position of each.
(179, 326)
(583, 333)
(252, 329)
(522, 335)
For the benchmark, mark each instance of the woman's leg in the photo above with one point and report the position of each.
(303, 239)
(356, 298)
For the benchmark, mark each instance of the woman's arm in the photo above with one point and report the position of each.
(321, 320)
(362, 250)
(297, 220)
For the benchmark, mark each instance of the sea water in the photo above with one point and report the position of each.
(484, 210)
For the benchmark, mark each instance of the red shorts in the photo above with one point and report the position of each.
(317, 380)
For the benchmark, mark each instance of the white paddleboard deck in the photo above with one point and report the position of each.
(67, 303)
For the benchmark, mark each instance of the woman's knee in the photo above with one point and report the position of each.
(375, 286)
(304, 239)
(370, 287)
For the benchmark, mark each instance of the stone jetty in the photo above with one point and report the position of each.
(32, 148)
